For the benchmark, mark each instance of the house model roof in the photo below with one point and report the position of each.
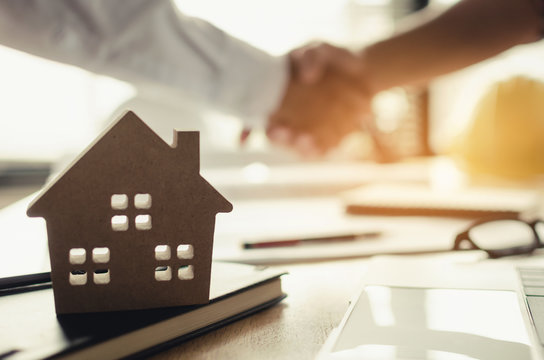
(110, 159)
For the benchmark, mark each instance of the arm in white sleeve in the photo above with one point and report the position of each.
(148, 43)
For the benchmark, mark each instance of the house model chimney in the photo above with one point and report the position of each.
(187, 146)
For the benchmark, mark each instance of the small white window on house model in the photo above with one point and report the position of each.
(163, 273)
(186, 272)
(142, 201)
(162, 252)
(101, 255)
(143, 222)
(77, 256)
(185, 251)
(119, 201)
(121, 221)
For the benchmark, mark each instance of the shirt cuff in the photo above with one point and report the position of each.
(254, 83)
(539, 5)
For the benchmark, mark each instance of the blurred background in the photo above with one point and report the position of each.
(50, 111)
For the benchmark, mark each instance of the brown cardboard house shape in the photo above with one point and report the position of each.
(130, 222)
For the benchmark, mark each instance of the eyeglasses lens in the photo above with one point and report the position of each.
(502, 234)
(540, 230)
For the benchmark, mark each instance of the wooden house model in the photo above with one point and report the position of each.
(130, 222)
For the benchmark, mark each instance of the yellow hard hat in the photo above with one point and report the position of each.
(505, 136)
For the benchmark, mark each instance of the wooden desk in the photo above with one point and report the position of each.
(318, 296)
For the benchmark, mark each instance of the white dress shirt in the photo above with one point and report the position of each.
(149, 44)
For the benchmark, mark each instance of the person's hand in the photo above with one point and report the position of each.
(324, 100)
(310, 62)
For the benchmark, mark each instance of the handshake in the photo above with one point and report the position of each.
(328, 96)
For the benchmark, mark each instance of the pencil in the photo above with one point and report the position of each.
(311, 240)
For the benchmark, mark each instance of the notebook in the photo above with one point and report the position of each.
(417, 199)
(30, 329)
(445, 307)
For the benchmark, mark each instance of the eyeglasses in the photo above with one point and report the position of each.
(500, 237)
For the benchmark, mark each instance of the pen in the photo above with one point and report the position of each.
(311, 240)
(24, 283)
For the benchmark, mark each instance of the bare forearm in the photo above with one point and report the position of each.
(467, 33)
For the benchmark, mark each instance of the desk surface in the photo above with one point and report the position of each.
(318, 296)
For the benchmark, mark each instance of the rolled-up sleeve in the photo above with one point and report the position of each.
(149, 43)
(539, 6)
